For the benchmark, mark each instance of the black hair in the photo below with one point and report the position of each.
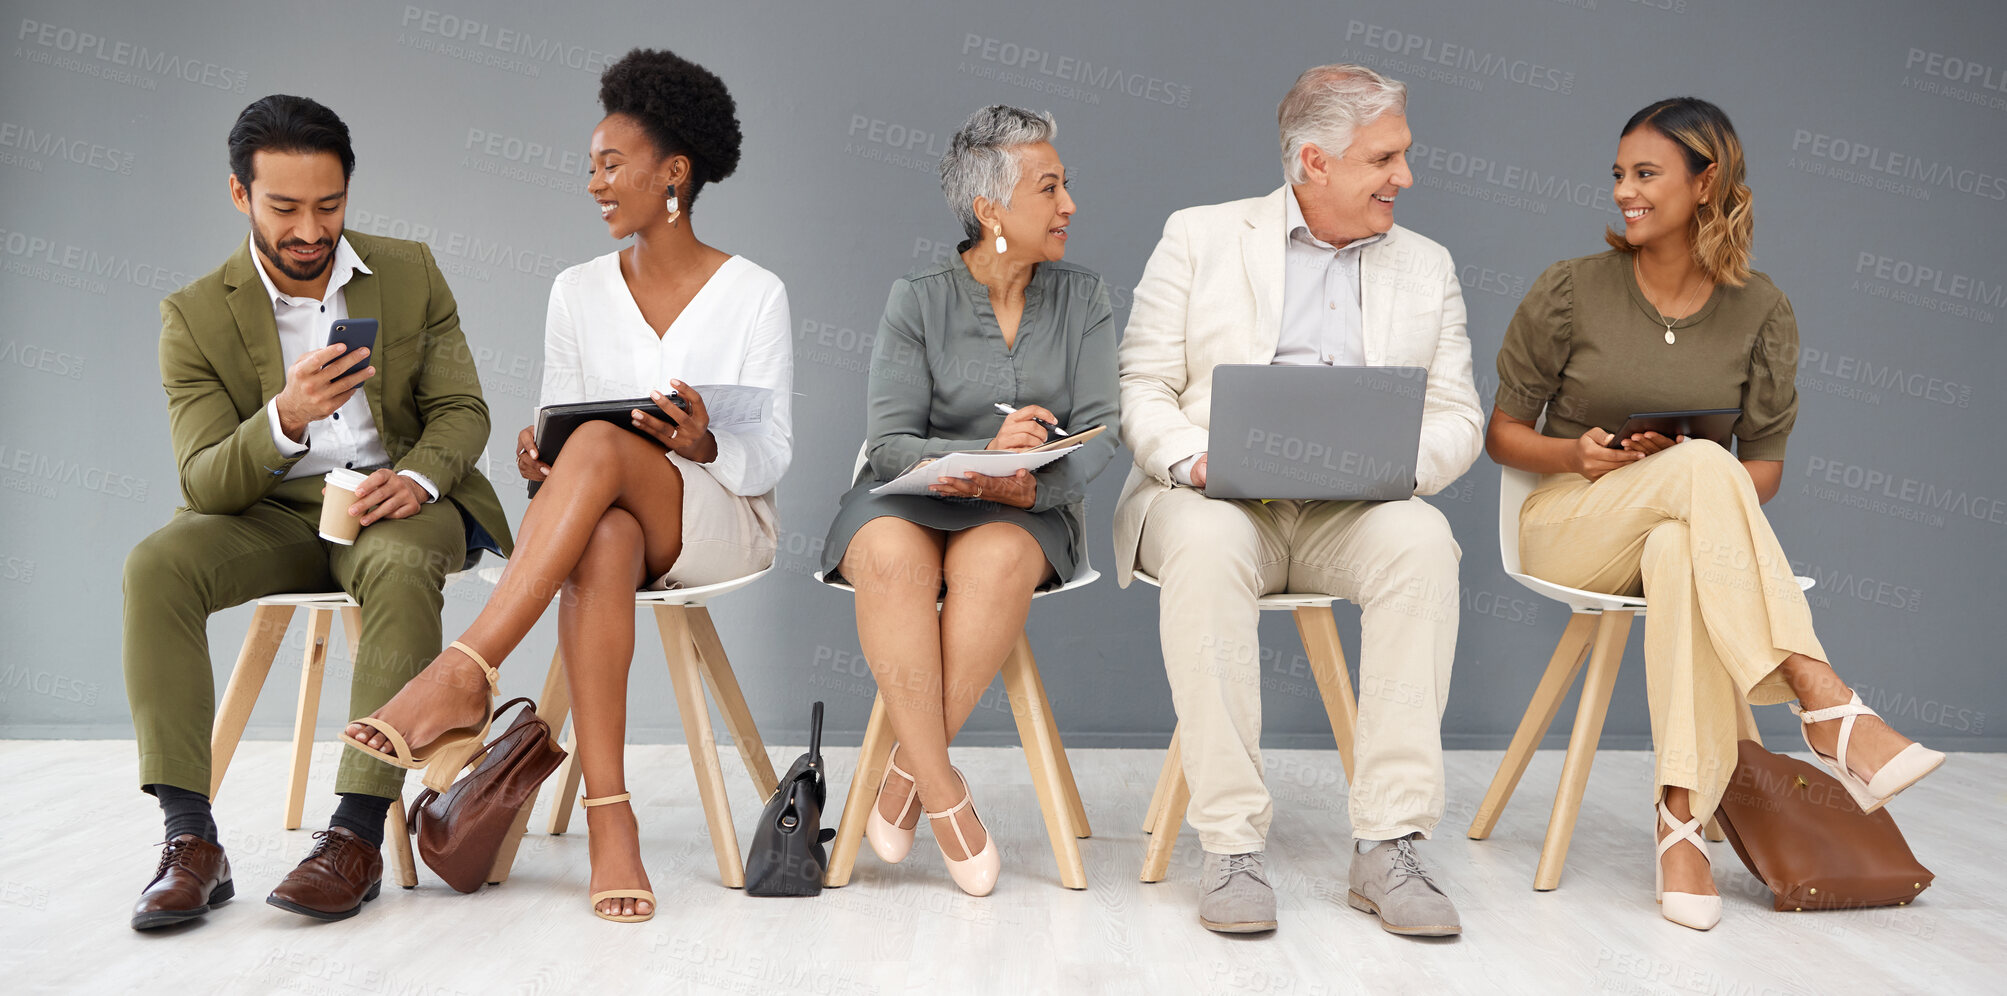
(1677, 117)
(284, 123)
(683, 107)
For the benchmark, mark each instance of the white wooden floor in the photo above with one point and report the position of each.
(75, 849)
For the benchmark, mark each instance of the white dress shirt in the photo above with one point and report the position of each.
(598, 347)
(1322, 321)
(347, 437)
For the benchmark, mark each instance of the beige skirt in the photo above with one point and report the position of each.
(725, 535)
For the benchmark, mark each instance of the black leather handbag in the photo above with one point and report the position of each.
(788, 857)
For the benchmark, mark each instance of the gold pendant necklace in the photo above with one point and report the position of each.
(1637, 274)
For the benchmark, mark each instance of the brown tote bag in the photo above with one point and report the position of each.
(1796, 828)
(460, 832)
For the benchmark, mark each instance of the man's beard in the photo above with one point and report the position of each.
(276, 256)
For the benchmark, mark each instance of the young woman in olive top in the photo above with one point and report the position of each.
(1673, 318)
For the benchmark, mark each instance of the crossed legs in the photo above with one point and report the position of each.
(931, 665)
(609, 515)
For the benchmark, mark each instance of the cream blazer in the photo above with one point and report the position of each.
(1212, 294)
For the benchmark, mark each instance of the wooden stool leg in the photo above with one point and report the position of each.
(1170, 820)
(1614, 629)
(686, 675)
(1554, 683)
(565, 794)
(1070, 789)
(247, 679)
(552, 706)
(1319, 630)
(731, 701)
(400, 846)
(564, 781)
(313, 667)
(871, 758)
(1035, 733)
(1162, 793)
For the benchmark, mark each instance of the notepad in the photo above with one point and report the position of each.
(992, 463)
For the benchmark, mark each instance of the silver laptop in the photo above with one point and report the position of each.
(1335, 433)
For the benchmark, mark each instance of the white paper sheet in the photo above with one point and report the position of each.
(994, 463)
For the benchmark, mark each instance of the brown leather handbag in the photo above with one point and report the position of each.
(1796, 828)
(460, 832)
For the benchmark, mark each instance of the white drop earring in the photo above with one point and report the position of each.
(674, 212)
(1001, 244)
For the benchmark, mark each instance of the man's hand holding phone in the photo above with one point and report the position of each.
(318, 384)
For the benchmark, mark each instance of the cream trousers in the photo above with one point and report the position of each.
(1395, 560)
(1682, 527)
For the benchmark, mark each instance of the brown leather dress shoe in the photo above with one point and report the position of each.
(193, 876)
(340, 874)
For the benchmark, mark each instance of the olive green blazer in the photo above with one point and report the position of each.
(220, 362)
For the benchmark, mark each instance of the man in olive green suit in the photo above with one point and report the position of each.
(260, 409)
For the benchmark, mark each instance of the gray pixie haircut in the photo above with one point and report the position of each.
(982, 158)
(1327, 104)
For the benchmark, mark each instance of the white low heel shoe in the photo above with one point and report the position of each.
(977, 873)
(1901, 771)
(890, 841)
(1684, 908)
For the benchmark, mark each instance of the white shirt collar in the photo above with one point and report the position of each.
(347, 263)
(1293, 222)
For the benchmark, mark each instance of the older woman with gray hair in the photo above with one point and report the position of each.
(985, 352)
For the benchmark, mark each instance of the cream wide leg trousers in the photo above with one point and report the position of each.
(1395, 560)
(1682, 527)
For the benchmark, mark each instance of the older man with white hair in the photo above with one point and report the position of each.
(1316, 272)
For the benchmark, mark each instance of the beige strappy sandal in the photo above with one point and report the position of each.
(450, 751)
(599, 897)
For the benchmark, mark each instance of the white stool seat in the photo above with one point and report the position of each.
(1598, 627)
(1319, 631)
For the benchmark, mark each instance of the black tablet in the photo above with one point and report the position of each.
(556, 423)
(1717, 424)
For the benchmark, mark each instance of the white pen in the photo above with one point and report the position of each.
(1055, 430)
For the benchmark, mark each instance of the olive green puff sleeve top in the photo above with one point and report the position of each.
(1588, 349)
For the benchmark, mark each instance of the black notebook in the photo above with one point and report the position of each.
(556, 423)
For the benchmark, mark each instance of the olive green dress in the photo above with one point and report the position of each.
(938, 369)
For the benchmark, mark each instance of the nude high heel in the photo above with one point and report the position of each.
(977, 873)
(1901, 771)
(448, 752)
(890, 841)
(1684, 908)
(599, 897)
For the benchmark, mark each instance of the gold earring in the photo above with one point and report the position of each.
(675, 211)
(1001, 244)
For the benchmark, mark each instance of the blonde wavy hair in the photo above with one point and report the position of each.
(1723, 226)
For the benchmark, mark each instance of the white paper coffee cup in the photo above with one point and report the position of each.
(337, 526)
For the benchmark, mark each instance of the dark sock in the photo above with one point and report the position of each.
(187, 812)
(362, 814)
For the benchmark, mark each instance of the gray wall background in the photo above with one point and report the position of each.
(1875, 145)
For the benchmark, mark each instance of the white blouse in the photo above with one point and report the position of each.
(598, 347)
